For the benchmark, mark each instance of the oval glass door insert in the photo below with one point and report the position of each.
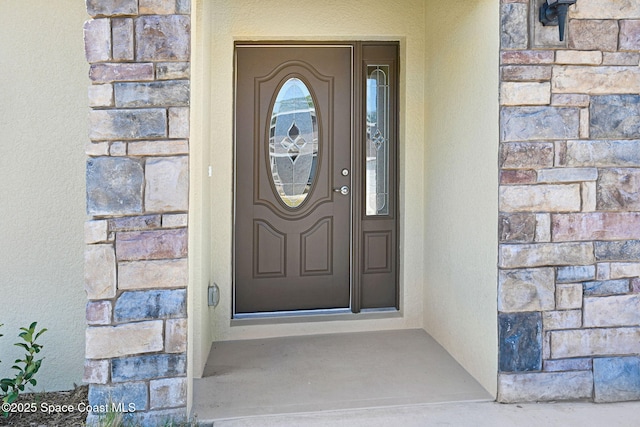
(293, 142)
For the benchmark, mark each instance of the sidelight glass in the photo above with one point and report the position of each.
(377, 140)
(293, 142)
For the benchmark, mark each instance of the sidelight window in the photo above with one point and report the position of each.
(377, 143)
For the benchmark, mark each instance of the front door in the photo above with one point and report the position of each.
(293, 178)
(316, 202)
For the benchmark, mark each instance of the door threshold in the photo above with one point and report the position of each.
(303, 316)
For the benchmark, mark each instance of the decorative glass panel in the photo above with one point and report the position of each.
(293, 142)
(377, 145)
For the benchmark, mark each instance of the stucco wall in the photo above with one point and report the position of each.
(42, 134)
(460, 216)
(201, 330)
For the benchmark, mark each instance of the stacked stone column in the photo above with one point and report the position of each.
(137, 176)
(569, 279)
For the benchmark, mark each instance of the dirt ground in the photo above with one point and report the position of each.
(49, 409)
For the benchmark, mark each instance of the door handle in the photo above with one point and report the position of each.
(344, 190)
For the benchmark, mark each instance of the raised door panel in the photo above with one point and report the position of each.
(269, 251)
(316, 248)
(377, 252)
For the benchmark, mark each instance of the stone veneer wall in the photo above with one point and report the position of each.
(569, 285)
(137, 199)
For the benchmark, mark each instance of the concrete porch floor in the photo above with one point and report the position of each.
(316, 373)
(368, 379)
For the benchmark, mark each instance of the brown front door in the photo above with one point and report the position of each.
(293, 131)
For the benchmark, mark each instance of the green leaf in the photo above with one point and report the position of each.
(39, 333)
(12, 397)
(22, 345)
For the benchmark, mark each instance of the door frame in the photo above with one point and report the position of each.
(357, 178)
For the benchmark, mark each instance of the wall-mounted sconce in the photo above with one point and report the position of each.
(554, 12)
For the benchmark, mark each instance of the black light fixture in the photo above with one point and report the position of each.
(554, 12)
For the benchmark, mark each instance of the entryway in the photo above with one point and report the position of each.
(447, 173)
(329, 372)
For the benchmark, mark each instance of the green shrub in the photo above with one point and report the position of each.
(26, 368)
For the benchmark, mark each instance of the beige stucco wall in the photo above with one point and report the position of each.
(201, 328)
(461, 177)
(43, 105)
